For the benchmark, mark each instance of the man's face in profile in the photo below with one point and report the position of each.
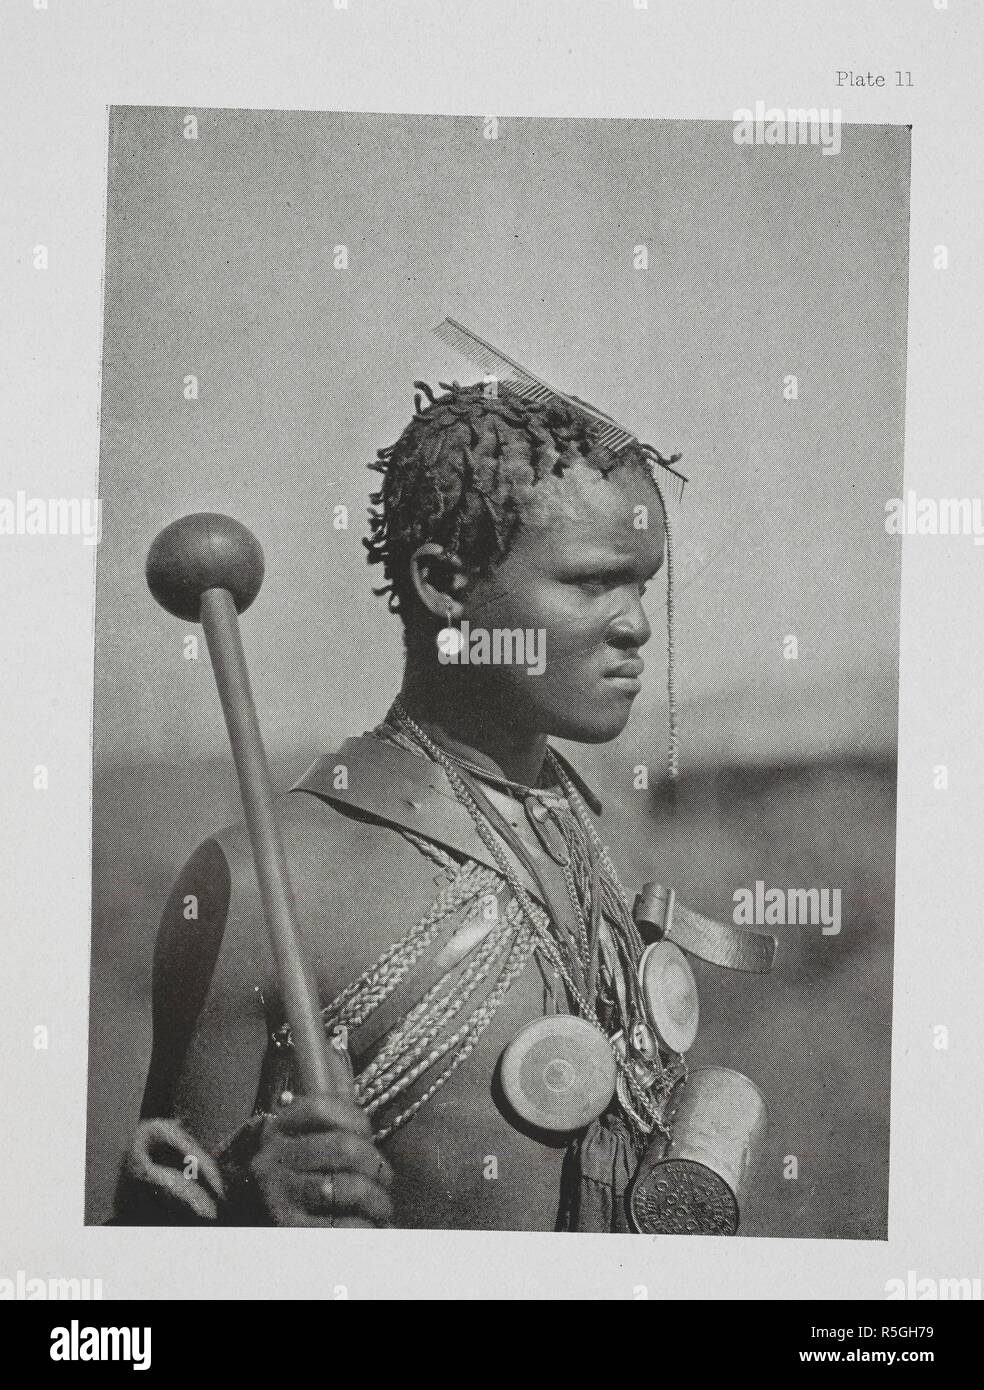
(576, 574)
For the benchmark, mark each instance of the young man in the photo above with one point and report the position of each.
(472, 944)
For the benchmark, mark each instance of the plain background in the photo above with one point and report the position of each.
(699, 60)
(761, 263)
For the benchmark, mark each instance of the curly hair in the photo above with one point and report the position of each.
(463, 471)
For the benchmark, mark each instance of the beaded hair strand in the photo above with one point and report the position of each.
(673, 754)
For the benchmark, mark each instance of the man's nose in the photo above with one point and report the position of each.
(631, 627)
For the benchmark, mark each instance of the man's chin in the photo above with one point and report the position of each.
(598, 725)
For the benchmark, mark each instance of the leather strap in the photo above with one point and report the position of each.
(719, 943)
(406, 791)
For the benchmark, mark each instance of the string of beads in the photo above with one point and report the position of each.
(650, 1102)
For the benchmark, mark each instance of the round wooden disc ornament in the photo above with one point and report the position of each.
(669, 992)
(558, 1073)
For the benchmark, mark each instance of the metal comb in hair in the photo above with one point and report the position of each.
(532, 388)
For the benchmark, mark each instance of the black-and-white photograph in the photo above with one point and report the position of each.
(496, 672)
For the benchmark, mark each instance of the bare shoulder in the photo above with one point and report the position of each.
(358, 886)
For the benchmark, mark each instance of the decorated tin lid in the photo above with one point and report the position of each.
(669, 992)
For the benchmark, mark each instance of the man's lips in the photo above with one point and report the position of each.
(628, 670)
(625, 676)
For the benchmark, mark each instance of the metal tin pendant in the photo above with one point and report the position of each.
(644, 1041)
(669, 992)
(678, 1197)
(695, 1184)
(558, 1073)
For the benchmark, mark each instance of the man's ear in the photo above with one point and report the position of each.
(439, 579)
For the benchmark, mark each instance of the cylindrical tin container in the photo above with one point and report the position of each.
(695, 1184)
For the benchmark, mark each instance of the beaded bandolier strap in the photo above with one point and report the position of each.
(595, 965)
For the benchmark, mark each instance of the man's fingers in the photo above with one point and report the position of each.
(308, 1114)
(337, 1149)
(341, 1194)
(319, 1156)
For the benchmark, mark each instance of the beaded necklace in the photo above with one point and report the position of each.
(645, 1090)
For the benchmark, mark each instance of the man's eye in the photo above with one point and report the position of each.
(601, 583)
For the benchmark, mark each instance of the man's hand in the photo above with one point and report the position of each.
(317, 1165)
(167, 1179)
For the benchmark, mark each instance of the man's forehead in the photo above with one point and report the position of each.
(610, 511)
